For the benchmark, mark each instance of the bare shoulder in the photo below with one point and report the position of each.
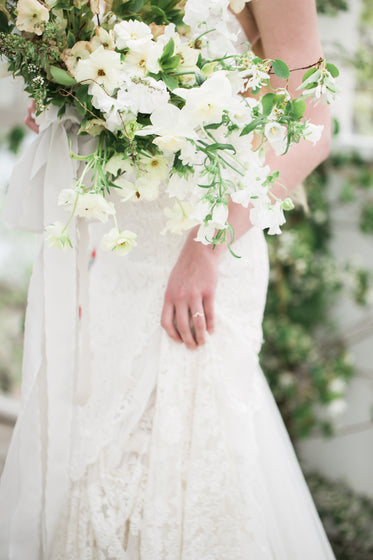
(285, 29)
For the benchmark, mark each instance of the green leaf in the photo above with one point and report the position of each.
(170, 81)
(70, 40)
(61, 76)
(168, 50)
(281, 69)
(267, 103)
(250, 127)
(298, 107)
(220, 146)
(332, 69)
(310, 77)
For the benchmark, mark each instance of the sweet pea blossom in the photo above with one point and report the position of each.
(267, 215)
(90, 205)
(178, 218)
(171, 125)
(58, 237)
(313, 132)
(32, 16)
(206, 103)
(120, 241)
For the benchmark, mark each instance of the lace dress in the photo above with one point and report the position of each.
(129, 446)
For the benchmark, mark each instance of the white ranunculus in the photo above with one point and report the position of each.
(57, 238)
(103, 67)
(132, 35)
(276, 135)
(313, 132)
(120, 241)
(31, 16)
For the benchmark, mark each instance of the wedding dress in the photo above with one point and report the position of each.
(128, 445)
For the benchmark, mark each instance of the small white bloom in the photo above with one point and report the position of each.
(276, 135)
(337, 385)
(219, 216)
(144, 59)
(336, 407)
(178, 218)
(313, 132)
(120, 241)
(132, 34)
(90, 205)
(31, 16)
(205, 234)
(266, 215)
(172, 127)
(178, 186)
(58, 238)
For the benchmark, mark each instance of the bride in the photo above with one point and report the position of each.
(153, 435)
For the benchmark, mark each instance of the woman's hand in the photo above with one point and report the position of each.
(189, 299)
(30, 118)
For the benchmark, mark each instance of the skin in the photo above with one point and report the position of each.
(285, 29)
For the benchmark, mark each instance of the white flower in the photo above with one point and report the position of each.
(337, 385)
(266, 215)
(313, 132)
(201, 210)
(90, 205)
(144, 59)
(104, 38)
(219, 216)
(206, 103)
(276, 135)
(103, 67)
(120, 241)
(146, 94)
(172, 127)
(118, 162)
(58, 238)
(179, 218)
(178, 186)
(80, 51)
(132, 34)
(237, 5)
(153, 166)
(336, 407)
(31, 16)
(205, 234)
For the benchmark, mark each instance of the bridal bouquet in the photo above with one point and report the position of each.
(161, 86)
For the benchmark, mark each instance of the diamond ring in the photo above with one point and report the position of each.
(198, 314)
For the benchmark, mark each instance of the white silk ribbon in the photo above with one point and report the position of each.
(62, 277)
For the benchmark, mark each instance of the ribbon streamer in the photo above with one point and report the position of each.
(56, 372)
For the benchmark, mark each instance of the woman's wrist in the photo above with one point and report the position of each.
(209, 251)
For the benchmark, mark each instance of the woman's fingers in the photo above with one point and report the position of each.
(183, 325)
(208, 304)
(199, 323)
(30, 118)
(168, 323)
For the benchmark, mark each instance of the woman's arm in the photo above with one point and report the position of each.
(287, 30)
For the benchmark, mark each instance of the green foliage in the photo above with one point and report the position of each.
(347, 518)
(331, 7)
(304, 353)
